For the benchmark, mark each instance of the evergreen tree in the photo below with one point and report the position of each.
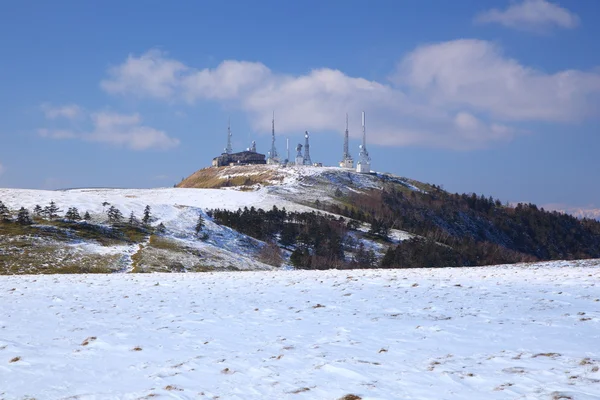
(23, 217)
(147, 216)
(114, 215)
(132, 219)
(87, 216)
(72, 214)
(199, 224)
(51, 211)
(4, 212)
(37, 210)
(161, 228)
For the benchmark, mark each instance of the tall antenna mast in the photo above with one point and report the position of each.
(347, 161)
(346, 151)
(274, 157)
(307, 160)
(364, 163)
(228, 149)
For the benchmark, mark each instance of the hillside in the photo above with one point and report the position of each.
(265, 217)
(501, 332)
(96, 245)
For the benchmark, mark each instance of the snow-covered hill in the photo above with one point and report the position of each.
(506, 332)
(294, 189)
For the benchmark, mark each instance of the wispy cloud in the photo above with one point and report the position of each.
(459, 94)
(123, 130)
(69, 111)
(531, 15)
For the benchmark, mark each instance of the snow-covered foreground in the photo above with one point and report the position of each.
(528, 332)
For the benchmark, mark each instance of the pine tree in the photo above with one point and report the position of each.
(23, 217)
(161, 228)
(37, 210)
(72, 214)
(147, 216)
(4, 212)
(87, 216)
(114, 215)
(199, 224)
(52, 210)
(132, 219)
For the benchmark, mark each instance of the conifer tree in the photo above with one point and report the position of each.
(199, 224)
(4, 212)
(147, 216)
(87, 216)
(37, 210)
(132, 219)
(114, 215)
(23, 217)
(161, 228)
(52, 210)
(72, 214)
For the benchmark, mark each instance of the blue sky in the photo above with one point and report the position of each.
(497, 97)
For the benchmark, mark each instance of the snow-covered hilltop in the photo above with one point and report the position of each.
(63, 250)
(506, 332)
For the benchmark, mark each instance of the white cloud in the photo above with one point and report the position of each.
(457, 94)
(475, 74)
(123, 130)
(531, 15)
(69, 111)
(149, 75)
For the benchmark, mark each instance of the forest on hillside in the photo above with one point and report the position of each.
(450, 230)
(476, 230)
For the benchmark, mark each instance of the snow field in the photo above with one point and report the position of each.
(504, 332)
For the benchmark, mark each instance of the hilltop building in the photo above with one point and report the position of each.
(249, 156)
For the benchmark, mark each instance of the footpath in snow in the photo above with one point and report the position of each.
(528, 332)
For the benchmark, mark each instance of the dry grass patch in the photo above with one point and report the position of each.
(551, 355)
(13, 360)
(88, 340)
(304, 389)
(350, 397)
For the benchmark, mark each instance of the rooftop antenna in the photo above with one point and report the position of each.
(307, 160)
(228, 149)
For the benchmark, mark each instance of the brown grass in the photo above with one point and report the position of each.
(88, 340)
(551, 355)
(350, 397)
(218, 177)
(15, 359)
(304, 389)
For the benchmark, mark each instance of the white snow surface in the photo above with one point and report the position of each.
(504, 332)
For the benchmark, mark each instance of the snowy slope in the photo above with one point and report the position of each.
(178, 209)
(506, 332)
